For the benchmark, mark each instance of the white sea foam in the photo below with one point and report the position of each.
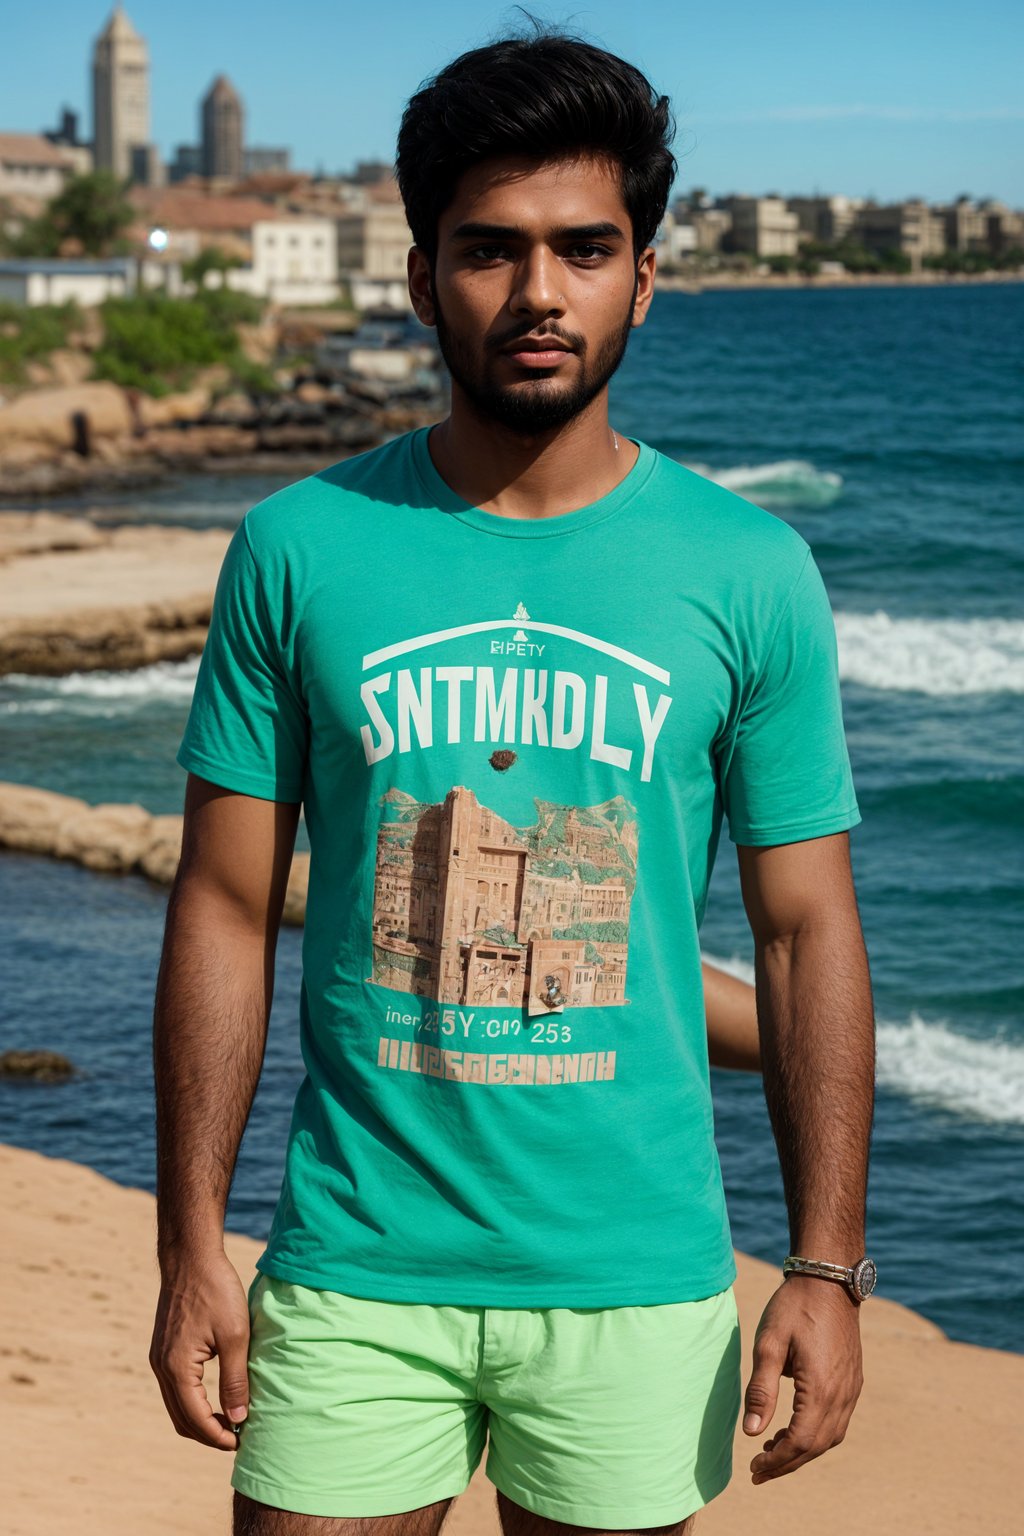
(943, 657)
(784, 483)
(935, 1064)
(100, 693)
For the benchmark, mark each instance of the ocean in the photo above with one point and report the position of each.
(887, 425)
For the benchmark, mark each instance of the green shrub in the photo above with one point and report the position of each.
(156, 343)
(32, 332)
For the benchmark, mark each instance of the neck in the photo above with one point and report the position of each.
(542, 475)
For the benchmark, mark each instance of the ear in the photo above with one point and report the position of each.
(420, 290)
(646, 266)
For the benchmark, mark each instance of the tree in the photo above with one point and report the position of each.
(211, 259)
(91, 214)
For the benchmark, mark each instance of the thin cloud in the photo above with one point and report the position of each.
(833, 112)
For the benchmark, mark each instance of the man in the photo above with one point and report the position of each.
(516, 668)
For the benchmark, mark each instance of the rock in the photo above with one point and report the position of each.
(41, 1066)
(216, 376)
(16, 455)
(164, 411)
(160, 858)
(294, 912)
(26, 533)
(113, 838)
(45, 415)
(259, 342)
(69, 366)
(31, 818)
(106, 836)
(233, 407)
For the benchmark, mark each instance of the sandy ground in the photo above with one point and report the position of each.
(87, 1447)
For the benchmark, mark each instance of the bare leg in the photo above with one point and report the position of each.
(254, 1519)
(517, 1521)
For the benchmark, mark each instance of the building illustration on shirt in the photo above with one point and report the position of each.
(468, 908)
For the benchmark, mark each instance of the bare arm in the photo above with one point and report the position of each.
(214, 990)
(818, 1059)
(730, 1007)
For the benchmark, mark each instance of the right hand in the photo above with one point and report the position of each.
(202, 1312)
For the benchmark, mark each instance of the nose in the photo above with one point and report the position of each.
(537, 286)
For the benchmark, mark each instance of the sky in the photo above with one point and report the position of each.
(910, 98)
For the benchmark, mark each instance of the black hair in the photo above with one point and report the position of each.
(551, 95)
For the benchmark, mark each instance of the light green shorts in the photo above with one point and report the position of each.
(614, 1417)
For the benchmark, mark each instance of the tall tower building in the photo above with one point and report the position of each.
(222, 130)
(120, 94)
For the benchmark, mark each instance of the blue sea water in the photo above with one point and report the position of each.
(886, 424)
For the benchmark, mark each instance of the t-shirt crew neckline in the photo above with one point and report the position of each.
(448, 501)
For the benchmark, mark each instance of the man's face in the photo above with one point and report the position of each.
(534, 257)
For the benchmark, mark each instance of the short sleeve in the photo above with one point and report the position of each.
(784, 768)
(247, 727)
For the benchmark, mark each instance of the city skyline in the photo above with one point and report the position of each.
(933, 114)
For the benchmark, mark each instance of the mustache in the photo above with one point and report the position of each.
(571, 339)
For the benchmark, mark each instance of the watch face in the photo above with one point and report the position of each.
(864, 1277)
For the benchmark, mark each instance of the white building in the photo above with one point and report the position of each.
(43, 281)
(294, 261)
(373, 248)
(120, 94)
(763, 225)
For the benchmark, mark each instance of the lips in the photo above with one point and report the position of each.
(537, 352)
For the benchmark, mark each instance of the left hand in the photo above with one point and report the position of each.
(809, 1330)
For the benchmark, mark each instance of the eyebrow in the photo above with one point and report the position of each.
(604, 230)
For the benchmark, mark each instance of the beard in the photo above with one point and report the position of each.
(536, 404)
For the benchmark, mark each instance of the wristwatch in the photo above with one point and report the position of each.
(859, 1278)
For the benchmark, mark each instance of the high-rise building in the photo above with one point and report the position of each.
(222, 130)
(120, 94)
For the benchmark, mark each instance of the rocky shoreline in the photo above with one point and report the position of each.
(112, 838)
(96, 436)
(75, 596)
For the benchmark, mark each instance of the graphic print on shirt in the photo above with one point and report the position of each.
(498, 926)
(469, 909)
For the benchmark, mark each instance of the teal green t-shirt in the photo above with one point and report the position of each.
(515, 741)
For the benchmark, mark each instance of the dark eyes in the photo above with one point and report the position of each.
(585, 251)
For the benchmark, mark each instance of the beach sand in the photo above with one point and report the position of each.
(933, 1446)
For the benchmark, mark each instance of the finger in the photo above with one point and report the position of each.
(193, 1405)
(233, 1352)
(762, 1392)
(792, 1446)
(170, 1404)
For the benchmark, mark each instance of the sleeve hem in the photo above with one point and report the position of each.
(795, 831)
(230, 776)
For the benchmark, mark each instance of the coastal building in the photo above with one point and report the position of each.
(910, 227)
(965, 226)
(194, 219)
(373, 247)
(261, 161)
(65, 136)
(827, 219)
(120, 94)
(761, 225)
(44, 281)
(678, 240)
(222, 130)
(292, 261)
(31, 166)
(147, 167)
(187, 161)
(1004, 227)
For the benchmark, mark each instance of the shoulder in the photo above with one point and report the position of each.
(729, 530)
(298, 513)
